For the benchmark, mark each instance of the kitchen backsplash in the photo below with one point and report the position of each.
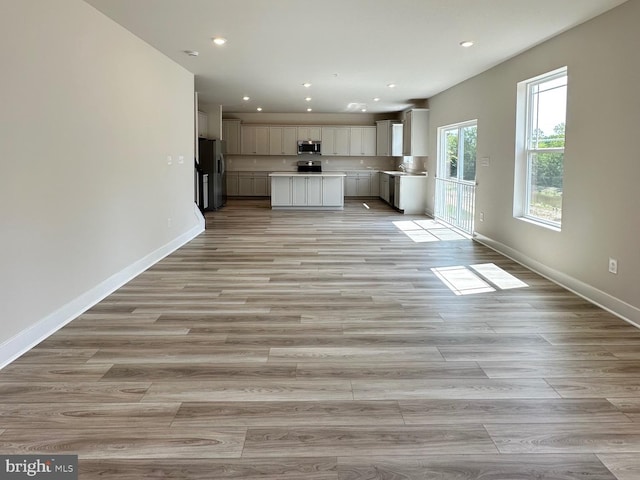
(271, 163)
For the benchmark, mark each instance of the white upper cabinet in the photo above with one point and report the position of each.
(416, 133)
(203, 125)
(335, 141)
(231, 136)
(309, 133)
(389, 138)
(397, 132)
(362, 141)
(283, 141)
(255, 140)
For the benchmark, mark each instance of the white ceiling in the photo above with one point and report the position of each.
(348, 49)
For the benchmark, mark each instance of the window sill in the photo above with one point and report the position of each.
(538, 223)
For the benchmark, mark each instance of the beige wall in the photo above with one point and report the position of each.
(602, 166)
(89, 115)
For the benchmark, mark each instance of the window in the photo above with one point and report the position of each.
(542, 105)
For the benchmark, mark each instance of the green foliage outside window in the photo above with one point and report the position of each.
(547, 172)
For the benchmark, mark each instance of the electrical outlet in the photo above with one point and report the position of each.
(181, 159)
(169, 222)
(613, 266)
(169, 160)
(482, 216)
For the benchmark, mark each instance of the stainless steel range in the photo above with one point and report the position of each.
(309, 166)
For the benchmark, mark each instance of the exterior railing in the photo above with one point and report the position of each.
(455, 203)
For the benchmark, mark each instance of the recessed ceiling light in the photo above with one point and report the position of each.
(391, 85)
(308, 99)
(219, 40)
(306, 85)
(191, 53)
(376, 99)
(363, 110)
(309, 109)
(466, 44)
(259, 109)
(246, 98)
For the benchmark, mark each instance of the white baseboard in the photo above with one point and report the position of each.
(614, 305)
(30, 337)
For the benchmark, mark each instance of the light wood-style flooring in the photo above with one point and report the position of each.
(321, 346)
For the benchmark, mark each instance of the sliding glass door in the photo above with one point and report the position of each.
(456, 178)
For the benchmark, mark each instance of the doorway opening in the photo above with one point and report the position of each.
(456, 175)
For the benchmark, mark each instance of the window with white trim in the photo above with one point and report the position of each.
(542, 106)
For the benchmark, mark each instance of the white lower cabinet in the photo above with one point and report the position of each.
(350, 185)
(409, 192)
(261, 185)
(302, 191)
(333, 191)
(281, 191)
(361, 184)
(307, 191)
(384, 186)
(232, 184)
(375, 184)
(299, 190)
(245, 185)
(248, 184)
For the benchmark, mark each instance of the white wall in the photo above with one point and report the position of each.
(602, 165)
(89, 115)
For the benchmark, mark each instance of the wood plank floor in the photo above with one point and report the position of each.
(322, 346)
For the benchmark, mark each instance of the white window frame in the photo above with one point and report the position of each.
(524, 152)
(442, 150)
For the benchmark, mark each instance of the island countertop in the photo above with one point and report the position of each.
(307, 174)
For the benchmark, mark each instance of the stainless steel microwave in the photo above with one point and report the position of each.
(309, 147)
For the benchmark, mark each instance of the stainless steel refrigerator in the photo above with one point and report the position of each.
(211, 155)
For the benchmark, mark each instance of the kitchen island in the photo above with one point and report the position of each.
(307, 190)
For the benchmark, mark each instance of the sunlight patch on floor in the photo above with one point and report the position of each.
(427, 231)
(497, 276)
(462, 281)
(487, 277)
